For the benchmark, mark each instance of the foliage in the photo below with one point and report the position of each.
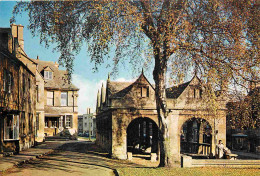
(217, 39)
(244, 113)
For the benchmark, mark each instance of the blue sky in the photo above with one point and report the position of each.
(83, 76)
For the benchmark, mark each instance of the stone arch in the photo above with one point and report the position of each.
(142, 136)
(196, 136)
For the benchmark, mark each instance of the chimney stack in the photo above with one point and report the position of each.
(103, 94)
(17, 32)
(56, 64)
(98, 100)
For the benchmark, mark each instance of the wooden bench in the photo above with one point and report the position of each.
(231, 156)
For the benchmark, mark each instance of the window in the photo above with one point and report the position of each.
(23, 122)
(29, 83)
(50, 99)
(11, 127)
(144, 91)
(37, 121)
(90, 124)
(30, 123)
(64, 98)
(68, 120)
(61, 121)
(23, 83)
(86, 124)
(47, 75)
(37, 93)
(7, 81)
(4, 80)
(53, 123)
(10, 82)
(200, 93)
(46, 122)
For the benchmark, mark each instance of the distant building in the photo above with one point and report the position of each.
(89, 123)
(17, 93)
(127, 120)
(80, 124)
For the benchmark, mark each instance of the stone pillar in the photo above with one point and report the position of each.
(174, 138)
(119, 144)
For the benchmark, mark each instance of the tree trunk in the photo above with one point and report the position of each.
(159, 74)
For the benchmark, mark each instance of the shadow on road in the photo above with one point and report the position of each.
(75, 158)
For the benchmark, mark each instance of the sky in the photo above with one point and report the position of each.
(83, 76)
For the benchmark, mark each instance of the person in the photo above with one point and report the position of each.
(220, 149)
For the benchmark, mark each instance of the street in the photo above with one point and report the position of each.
(71, 159)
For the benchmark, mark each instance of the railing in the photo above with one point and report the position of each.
(195, 148)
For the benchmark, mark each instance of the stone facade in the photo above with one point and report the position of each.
(127, 119)
(89, 123)
(57, 108)
(17, 93)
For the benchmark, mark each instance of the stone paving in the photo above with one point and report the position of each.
(246, 155)
(29, 154)
(68, 158)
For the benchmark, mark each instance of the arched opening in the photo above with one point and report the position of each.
(196, 137)
(142, 137)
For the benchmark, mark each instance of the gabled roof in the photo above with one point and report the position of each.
(59, 80)
(6, 53)
(176, 91)
(120, 89)
(46, 67)
(114, 88)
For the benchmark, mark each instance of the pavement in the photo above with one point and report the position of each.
(67, 158)
(246, 155)
(29, 154)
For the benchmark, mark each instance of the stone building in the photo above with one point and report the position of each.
(57, 108)
(127, 119)
(17, 93)
(80, 124)
(89, 123)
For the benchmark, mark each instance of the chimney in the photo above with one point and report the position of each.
(37, 57)
(56, 64)
(103, 94)
(17, 32)
(98, 100)
(88, 110)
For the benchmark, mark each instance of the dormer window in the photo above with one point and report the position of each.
(47, 75)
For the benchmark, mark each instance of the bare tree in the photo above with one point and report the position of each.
(217, 38)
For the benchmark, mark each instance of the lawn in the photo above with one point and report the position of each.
(187, 171)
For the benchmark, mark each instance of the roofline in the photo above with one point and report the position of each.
(52, 88)
(18, 60)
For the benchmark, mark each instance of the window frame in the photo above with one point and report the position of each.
(48, 75)
(50, 98)
(68, 121)
(61, 102)
(15, 127)
(4, 80)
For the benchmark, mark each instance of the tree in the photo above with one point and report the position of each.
(216, 38)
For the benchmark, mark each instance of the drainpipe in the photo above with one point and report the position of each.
(73, 100)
